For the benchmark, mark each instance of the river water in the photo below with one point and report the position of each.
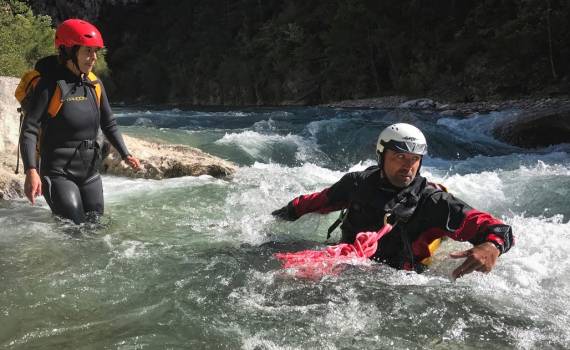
(187, 263)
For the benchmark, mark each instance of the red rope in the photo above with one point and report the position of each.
(317, 263)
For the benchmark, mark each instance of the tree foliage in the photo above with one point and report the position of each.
(298, 51)
(24, 38)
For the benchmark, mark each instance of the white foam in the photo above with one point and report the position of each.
(118, 188)
(479, 124)
(257, 190)
(326, 125)
(479, 189)
(265, 126)
(533, 278)
(259, 146)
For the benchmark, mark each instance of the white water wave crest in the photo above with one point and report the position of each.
(260, 146)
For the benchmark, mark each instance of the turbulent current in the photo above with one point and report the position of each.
(187, 263)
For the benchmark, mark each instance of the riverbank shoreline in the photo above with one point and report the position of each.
(457, 108)
(427, 104)
(539, 122)
(158, 161)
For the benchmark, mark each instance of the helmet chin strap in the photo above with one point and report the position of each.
(74, 52)
(76, 64)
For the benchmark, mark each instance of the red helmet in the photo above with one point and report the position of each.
(77, 32)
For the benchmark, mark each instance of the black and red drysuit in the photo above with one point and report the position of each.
(423, 211)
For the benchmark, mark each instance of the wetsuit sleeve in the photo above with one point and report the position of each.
(32, 123)
(330, 199)
(459, 221)
(109, 125)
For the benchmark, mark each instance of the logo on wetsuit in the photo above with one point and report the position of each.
(76, 99)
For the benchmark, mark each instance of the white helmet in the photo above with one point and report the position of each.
(401, 137)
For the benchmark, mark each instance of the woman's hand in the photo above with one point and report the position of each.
(133, 162)
(32, 185)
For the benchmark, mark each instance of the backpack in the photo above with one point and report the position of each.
(27, 85)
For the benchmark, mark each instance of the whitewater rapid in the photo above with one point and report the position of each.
(187, 262)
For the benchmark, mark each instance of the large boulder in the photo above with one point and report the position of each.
(536, 127)
(9, 116)
(160, 161)
(11, 185)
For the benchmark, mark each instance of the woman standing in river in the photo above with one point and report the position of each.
(68, 107)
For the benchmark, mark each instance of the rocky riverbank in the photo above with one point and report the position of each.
(540, 121)
(464, 109)
(158, 161)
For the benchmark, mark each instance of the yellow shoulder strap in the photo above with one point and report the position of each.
(55, 102)
(93, 78)
(29, 80)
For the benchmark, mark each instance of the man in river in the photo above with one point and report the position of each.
(421, 212)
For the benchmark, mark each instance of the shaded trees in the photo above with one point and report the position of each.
(270, 52)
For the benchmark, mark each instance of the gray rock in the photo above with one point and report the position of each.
(160, 161)
(449, 113)
(9, 116)
(536, 128)
(422, 103)
(11, 185)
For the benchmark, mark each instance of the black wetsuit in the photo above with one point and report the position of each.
(424, 212)
(69, 151)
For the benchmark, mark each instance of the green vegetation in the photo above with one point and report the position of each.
(24, 38)
(248, 52)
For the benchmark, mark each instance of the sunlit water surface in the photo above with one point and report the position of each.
(187, 263)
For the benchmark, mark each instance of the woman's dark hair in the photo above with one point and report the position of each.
(68, 53)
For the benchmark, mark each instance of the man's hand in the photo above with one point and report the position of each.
(284, 214)
(32, 185)
(480, 258)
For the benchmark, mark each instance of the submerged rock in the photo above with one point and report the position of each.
(536, 127)
(161, 161)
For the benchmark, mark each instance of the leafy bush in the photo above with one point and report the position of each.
(24, 38)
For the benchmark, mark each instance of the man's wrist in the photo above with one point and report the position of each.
(498, 246)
